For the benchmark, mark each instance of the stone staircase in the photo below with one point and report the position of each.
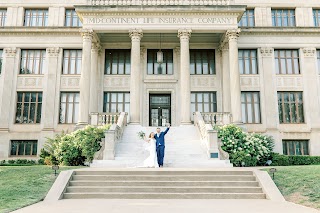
(163, 184)
(183, 149)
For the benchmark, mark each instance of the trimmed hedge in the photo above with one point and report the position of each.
(294, 160)
(20, 162)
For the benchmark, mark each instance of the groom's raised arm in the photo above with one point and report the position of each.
(165, 132)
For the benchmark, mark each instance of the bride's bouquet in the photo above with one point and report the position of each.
(141, 135)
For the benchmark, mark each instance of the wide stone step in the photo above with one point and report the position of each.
(164, 196)
(165, 183)
(173, 173)
(161, 189)
(167, 177)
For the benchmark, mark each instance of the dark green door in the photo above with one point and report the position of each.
(160, 109)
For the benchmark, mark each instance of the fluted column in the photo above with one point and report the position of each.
(235, 89)
(7, 93)
(87, 36)
(49, 95)
(135, 83)
(94, 78)
(184, 35)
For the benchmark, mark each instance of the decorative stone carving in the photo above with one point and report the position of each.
(70, 82)
(308, 51)
(184, 34)
(143, 50)
(87, 34)
(289, 82)
(113, 82)
(201, 82)
(266, 51)
(96, 47)
(159, 2)
(10, 51)
(26, 82)
(233, 34)
(250, 81)
(135, 34)
(53, 51)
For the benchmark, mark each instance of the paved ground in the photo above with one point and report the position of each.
(166, 206)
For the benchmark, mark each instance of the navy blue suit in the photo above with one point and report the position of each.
(160, 144)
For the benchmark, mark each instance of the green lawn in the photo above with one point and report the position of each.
(24, 185)
(300, 184)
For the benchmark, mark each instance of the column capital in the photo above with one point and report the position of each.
(10, 51)
(232, 35)
(53, 51)
(309, 51)
(135, 34)
(266, 51)
(96, 47)
(87, 34)
(184, 34)
(223, 47)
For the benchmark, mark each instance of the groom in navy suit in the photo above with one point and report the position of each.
(160, 144)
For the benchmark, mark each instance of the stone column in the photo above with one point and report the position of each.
(87, 36)
(235, 89)
(95, 77)
(310, 88)
(49, 94)
(185, 93)
(224, 50)
(7, 98)
(135, 78)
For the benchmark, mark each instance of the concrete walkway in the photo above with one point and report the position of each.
(167, 206)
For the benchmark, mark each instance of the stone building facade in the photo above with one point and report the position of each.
(63, 60)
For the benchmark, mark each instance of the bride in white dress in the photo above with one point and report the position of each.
(151, 161)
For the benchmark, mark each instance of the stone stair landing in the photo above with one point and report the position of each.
(183, 149)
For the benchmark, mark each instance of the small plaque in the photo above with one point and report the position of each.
(214, 155)
(55, 167)
(273, 170)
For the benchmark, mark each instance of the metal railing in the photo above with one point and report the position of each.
(159, 2)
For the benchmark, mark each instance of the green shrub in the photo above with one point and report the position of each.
(41, 161)
(21, 161)
(11, 161)
(3, 162)
(242, 145)
(75, 148)
(291, 160)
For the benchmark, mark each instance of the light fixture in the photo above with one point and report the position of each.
(160, 54)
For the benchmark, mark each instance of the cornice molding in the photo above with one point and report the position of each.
(45, 31)
(267, 31)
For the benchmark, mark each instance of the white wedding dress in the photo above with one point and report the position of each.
(152, 160)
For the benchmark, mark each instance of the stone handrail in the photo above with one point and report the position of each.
(112, 136)
(217, 118)
(209, 138)
(100, 119)
(159, 2)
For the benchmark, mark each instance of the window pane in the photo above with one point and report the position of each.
(250, 106)
(117, 62)
(69, 107)
(36, 18)
(248, 62)
(202, 62)
(23, 147)
(295, 147)
(32, 61)
(283, 17)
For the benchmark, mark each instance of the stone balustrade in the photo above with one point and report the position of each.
(217, 118)
(159, 2)
(100, 119)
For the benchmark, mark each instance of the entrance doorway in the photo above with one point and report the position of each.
(160, 109)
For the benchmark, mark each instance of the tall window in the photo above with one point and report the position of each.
(116, 102)
(248, 62)
(250, 105)
(287, 61)
(295, 147)
(1, 52)
(318, 59)
(118, 62)
(202, 62)
(165, 68)
(283, 18)
(3, 16)
(69, 107)
(290, 105)
(36, 18)
(203, 102)
(72, 60)
(24, 147)
(29, 107)
(32, 61)
(247, 19)
(72, 19)
(316, 17)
